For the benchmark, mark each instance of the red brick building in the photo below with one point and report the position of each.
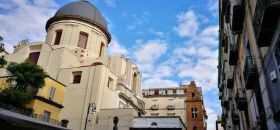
(195, 112)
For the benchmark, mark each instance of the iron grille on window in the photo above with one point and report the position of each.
(277, 53)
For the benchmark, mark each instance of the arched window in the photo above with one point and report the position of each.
(134, 82)
(194, 128)
(193, 95)
(194, 112)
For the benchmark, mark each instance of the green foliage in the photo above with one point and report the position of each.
(3, 62)
(26, 74)
(15, 97)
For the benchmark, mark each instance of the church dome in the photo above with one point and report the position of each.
(82, 11)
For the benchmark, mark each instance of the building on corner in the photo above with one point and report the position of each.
(74, 53)
(185, 102)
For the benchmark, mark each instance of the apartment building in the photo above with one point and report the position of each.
(185, 102)
(249, 60)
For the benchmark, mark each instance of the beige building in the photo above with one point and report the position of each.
(249, 62)
(74, 53)
(165, 102)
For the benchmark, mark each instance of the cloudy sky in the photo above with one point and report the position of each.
(171, 41)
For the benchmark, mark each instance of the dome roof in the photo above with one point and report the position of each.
(83, 11)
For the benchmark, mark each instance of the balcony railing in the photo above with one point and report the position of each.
(277, 53)
(238, 16)
(227, 11)
(223, 38)
(241, 100)
(131, 97)
(170, 107)
(154, 107)
(225, 104)
(29, 113)
(250, 72)
(233, 54)
(235, 117)
(221, 95)
(265, 20)
(230, 83)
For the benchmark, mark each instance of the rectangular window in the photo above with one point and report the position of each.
(46, 116)
(57, 37)
(110, 83)
(83, 37)
(52, 93)
(169, 92)
(77, 75)
(33, 57)
(102, 49)
(171, 102)
(162, 92)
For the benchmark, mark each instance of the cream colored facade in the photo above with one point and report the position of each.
(249, 64)
(165, 102)
(106, 82)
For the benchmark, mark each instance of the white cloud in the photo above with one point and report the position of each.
(212, 117)
(138, 20)
(25, 19)
(188, 24)
(111, 3)
(150, 51)
(213, 6)
(115, 48)
(159, 83)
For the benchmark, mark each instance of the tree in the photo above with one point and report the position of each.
(15, 97)
(26, 74)
(3, 62)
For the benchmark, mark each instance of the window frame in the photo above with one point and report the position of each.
(77, 80)
(57, 39)
(80, 44)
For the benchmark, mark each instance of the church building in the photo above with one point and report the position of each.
(74, 53)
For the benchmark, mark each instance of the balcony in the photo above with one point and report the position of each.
(241, 100)
(225, 104)
(221, 95)
(238, 16)
(230, 83)
(18, 118)
(221, 87)
(235, 117)
(250, 72)
(226, 48)
(233, 54)
(265, 20)
(223, 38)
(227, 11)
(154, 107)
(170, 107)
(130, 97)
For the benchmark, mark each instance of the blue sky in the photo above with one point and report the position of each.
(171, 41)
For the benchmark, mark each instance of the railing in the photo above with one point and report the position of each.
(259, 14)
(233, 54)
(29, 113)
(130, 96)
(171, 107)
(250, 72)
(235, 117)
(154, 107)
(238, 16)
(241, 100)
(277, 54)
